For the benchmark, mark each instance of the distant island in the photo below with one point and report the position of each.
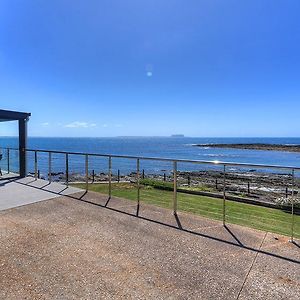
(177, 135)
(255, 146)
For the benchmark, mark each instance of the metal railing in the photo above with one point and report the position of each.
(8, 162)
(138, 159)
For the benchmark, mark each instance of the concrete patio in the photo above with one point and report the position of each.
(82, 246)
(17, 192)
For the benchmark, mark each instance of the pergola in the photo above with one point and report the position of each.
(22, 118)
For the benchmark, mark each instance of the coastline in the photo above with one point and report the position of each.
(260, 187)
(151, 147)
(255, 146)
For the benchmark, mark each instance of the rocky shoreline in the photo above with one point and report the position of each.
(254, 146)
(265, 187)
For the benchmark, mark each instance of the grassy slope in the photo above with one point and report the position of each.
(267, 219)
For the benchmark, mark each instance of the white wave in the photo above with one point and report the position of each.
(233, 169)
(218, 155)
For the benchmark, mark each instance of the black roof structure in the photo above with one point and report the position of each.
(8, 115)
(21, 118)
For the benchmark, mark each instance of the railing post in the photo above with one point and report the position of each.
(67, 169)
(248, 187)
(0, 167)
(49, 167)
(8, 166)
(293, 196)
(224, 196)
(138, 180)
(86, 172)
(109, 177)
(35, 165)
(175, 187)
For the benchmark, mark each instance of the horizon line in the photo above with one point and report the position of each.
(157, 136)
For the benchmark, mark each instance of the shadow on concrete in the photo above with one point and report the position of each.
(177, 227)
(34, 180)
(4, 181)
(106, 203)
(178, 221)
(42, 187)
(84, 193)
(137, 210)
(8, 179)
(233, 235)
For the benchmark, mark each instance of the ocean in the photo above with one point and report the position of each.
(167, 147)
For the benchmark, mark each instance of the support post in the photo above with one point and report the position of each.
(138, 181)
(293, 195)
(224, 195)
(8, 161)
(175, 187)
(93, 175)
(49, 168)
(22, 147)
(67, 169)
(109, 177)
(86, 172)
(35, 165)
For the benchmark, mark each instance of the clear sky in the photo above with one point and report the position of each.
(152, 67)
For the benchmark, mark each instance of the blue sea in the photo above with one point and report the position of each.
(167, 147)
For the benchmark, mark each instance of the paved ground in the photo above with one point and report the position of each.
(18, 192)
(67, 248)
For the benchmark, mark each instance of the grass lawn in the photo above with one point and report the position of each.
(263, 218)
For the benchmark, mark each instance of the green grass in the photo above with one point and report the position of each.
(166, 185)
(258, 217)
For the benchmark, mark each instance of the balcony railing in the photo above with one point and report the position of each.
(271, 186)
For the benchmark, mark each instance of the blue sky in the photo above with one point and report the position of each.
(149, 67)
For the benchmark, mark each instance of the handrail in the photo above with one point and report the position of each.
(175, 170)
(213, 162)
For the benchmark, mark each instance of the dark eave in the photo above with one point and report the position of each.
(8, 115)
